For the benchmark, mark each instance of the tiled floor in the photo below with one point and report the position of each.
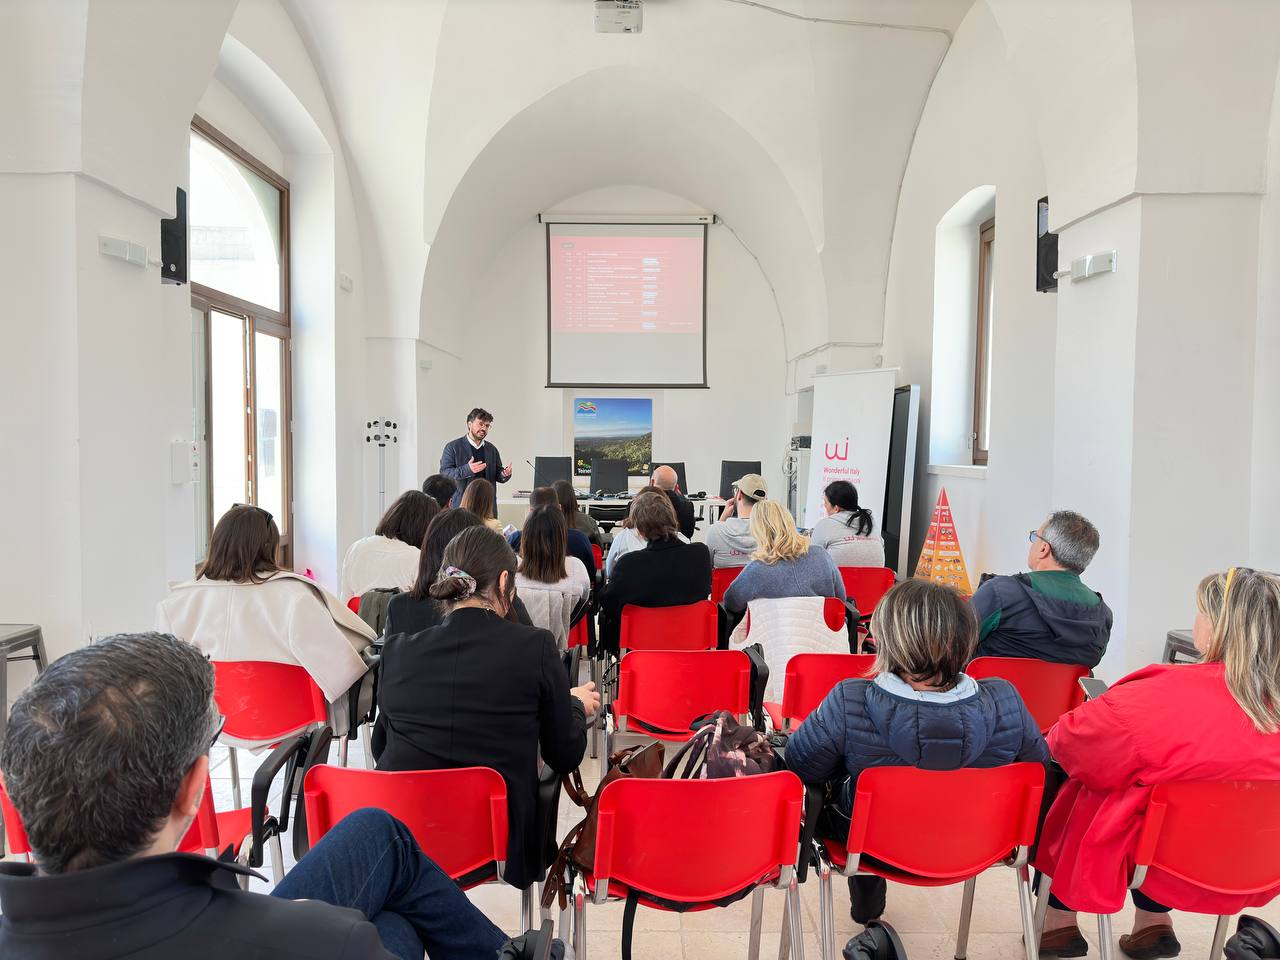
(925, 918)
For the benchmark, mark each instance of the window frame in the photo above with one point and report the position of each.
(985, 320)
(256, 318)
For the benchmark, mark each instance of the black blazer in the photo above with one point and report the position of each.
(684, 512)
(666, 573)
(458, 453)
(175, 905)
(480, 691)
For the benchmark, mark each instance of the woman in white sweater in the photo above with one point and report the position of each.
(847, 531)
(544, 564)
(389, 559)
(241, 606)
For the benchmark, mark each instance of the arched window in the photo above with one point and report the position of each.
(239, 253)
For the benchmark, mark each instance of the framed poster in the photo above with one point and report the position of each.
(613, 428)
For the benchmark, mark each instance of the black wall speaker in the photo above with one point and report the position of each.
(173, 243)
(1046, 250)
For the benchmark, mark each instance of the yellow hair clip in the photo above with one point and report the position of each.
(1226, 590)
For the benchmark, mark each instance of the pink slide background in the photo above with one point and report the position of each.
(626, 284)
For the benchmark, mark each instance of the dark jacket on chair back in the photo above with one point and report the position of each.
(480, 691)
(176, 905)
(666, 573)
(861, 724)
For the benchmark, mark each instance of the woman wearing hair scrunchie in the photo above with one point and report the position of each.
(847, 532)
(482, 690)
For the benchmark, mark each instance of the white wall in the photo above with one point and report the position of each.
(503, 362)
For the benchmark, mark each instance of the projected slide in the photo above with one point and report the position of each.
(626, 304)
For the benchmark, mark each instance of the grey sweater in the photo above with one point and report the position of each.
(812, 575)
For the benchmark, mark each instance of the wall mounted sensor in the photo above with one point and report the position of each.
(1090, 265)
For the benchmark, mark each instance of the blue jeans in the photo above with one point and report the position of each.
(371, 862)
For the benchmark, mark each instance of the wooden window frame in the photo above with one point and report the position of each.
(257, 317)
(979, 443)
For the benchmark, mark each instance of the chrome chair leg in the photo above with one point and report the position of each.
(757, 921)
(1219, 937)
(342, 751)
(234, 762)
(966, 918)
(580, 924)
(277, 859)
(826, 911)
(1030, 934)
(1106, 944)
(1042, 901)
(526, 909)
(784, 940)
(797, 921)
(366, 742)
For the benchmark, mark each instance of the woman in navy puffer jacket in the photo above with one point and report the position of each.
(921, 710)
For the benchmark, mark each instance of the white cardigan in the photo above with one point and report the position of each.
(286, 619)
(378, 562)
(784, 628)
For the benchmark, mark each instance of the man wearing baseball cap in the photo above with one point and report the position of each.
(730, 540)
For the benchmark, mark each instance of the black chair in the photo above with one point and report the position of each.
(733, 470)
(547, 470)
(678, 467)
(608, 476)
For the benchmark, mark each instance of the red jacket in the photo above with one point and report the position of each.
(1162, 723)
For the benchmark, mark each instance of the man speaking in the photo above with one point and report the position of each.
(469, 458)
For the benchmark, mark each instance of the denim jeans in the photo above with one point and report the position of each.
(371, 862)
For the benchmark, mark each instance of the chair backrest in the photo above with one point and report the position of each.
(547, 470)
(1223, 837)
(458, 817)
(597, 551)
(608, 476)
(578, 635)
(678, 467)
(811, 676)
(945, 823)
(266, 701)
(354, 605)
(694, 841)
(731, 471)
(690, 626)
(866, 585)
(721, 577)
(1048, 689)
(669, 689)
(15, 835)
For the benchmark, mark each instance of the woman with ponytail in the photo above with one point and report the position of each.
(1218, 719)
(847, 531)
(481, 690)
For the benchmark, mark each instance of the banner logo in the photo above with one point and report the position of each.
(586, 408)
(832, 450)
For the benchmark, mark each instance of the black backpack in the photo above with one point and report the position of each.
(1254, 939)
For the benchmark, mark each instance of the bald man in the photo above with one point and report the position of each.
(664, 478)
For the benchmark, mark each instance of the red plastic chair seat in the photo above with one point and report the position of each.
(664, 691)
(691, 626)
(1048, 689)
(866, 585)
(839, 856)
(620, 891)
(721, 577)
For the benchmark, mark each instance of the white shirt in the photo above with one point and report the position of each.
(626, 539)
(575, 580)
(378, 562)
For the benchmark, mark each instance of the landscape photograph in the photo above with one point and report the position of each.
(613, 428)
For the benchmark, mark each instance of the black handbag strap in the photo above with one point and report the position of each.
(629, 922)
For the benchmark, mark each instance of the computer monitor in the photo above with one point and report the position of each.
(732, 471)
(678, 467)
(608, 476)
(547, 470)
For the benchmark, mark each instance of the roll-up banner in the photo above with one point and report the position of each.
(852, 418)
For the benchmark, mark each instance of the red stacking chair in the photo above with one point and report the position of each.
(810, 677)
(866, 585)
(696, 842)
(278, 703)
(15, 835)
(721, 577)
(1222, 837)
(1048, 689)
(691, 626)
(597, 551)
(354, 605)
(661, 692)
(931, 828)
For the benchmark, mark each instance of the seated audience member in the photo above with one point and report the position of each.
(847, 531)
(1047, 614)
(480, 690)
(1218, 719)
(106, 760)
(578, 520)
(390, 557)
(668, 572)
(666, 480)
(576, 542)
(544, 563)
(920, 710)
(480, 499)
(785, 563)
(625, 536)
(440, 489)
(241, 606)
(730, 540)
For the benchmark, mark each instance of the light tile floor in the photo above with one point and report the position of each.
(926, 918)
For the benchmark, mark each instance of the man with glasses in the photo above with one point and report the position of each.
(1048, 613)
(106, 760)
(472, 456)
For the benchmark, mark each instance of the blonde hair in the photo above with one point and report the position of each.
(925, 632)
(775, 533)
(1243, 608)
